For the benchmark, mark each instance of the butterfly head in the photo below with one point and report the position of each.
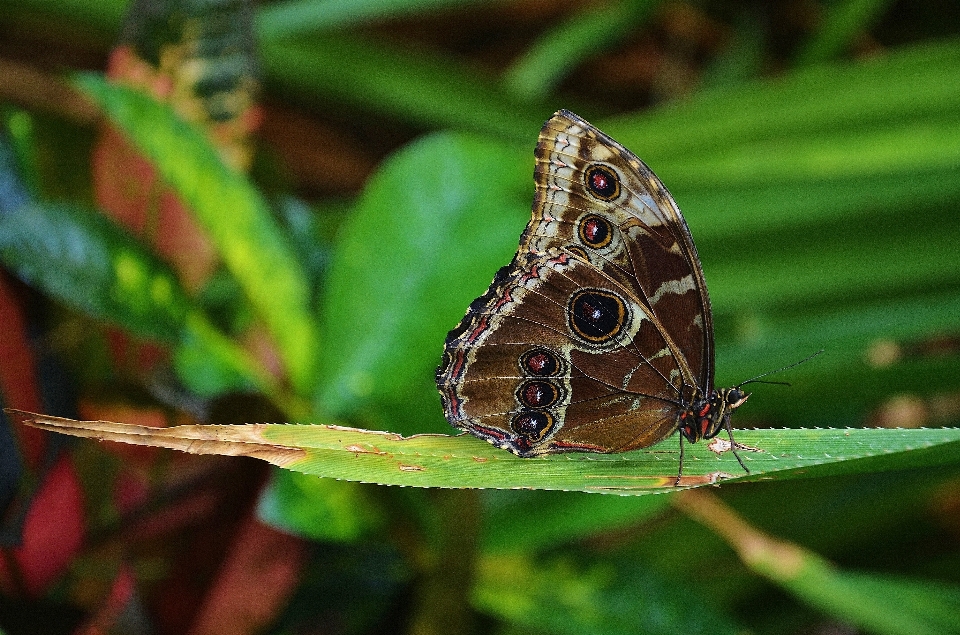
(706, 417)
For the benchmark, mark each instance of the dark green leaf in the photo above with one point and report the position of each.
(563, 47)
(422, 89)
(81, 258)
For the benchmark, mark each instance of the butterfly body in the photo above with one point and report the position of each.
(598, 336)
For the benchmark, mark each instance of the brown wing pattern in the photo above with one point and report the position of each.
(586, 395)
(652, 251)
(599, 331)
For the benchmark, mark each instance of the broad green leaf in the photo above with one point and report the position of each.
(431, 229)
(433, 460)
(232, 211)
(84, 260)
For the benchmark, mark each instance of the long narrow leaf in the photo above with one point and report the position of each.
(428, 90)
(566, 45)
(881, 604)
(444, 461)
(296, 17)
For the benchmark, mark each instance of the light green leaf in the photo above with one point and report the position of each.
(433, 460)
(231, 210)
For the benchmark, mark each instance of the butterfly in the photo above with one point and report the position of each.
(598, 336)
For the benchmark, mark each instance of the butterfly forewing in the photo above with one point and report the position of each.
(652, 249)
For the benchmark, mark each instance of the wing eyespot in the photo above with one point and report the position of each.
(602, 182)
(596, 316)
(595, 231)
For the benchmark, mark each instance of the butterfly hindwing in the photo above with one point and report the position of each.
(558, 356)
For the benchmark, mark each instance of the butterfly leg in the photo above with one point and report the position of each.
(734, 444)
(680, 473)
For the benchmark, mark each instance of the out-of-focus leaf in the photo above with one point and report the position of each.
(319, 509)
(232, 211)
(296, 17)
(742, 59)
(566, 45)
(563, 596)
(843, 380)
(19, 174)
(83, 259)
(424, 89)
(303, 225)
(791, 109)
(844, 20)
(541, 520)
(878, 603)
(426, 237)
(434, 460)
(205, 374)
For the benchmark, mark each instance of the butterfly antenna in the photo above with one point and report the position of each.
(756, 380)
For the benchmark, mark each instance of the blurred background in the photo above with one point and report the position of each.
(350, 176)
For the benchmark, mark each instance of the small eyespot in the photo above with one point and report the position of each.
(538, 394)
(540, 362)
(602, 182)
(595, 231)
(532, 425)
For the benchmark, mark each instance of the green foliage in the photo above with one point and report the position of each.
(560, 595)
(100, 269)
(823, 203)
(232, 211)
(441, 461)
(537, 72)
